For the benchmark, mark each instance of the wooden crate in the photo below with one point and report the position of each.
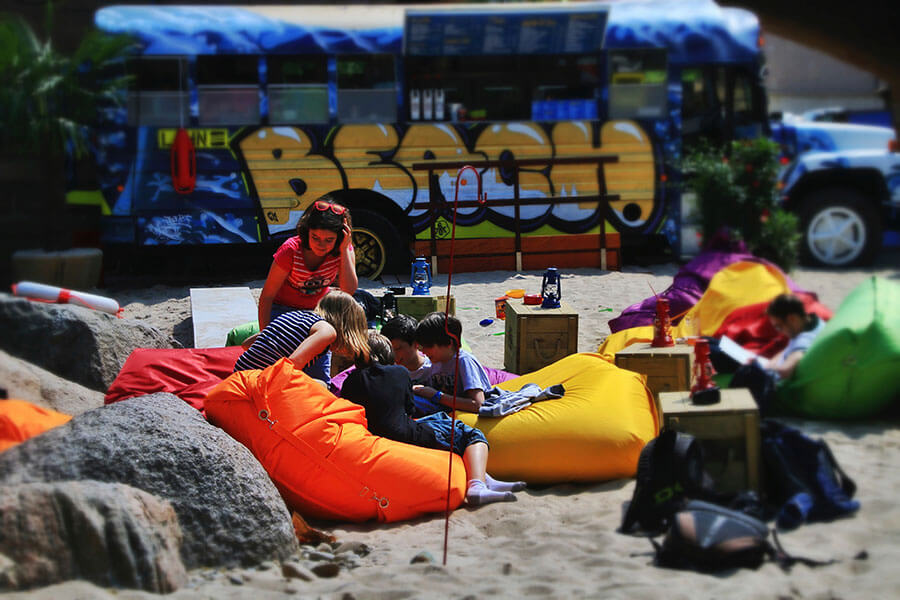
(419, 306)
(537, 337)
(728, 432)
(667, 369)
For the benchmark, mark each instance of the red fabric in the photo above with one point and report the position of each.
(750, 327)
(189, 373)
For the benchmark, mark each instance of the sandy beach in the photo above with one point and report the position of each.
(561, 541)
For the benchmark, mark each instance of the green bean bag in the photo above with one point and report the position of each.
(852, 370)
(240, 333)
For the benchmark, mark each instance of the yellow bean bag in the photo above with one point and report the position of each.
(321, 457)
(21, 420)
(739, 284)
(595, 432)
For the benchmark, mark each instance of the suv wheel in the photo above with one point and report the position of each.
(840, 228)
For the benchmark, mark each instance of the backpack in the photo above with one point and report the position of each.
(706, 537)
(803, 479)
(670, 468)
(370, 305)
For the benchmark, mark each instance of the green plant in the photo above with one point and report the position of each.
(737, 198)
(49, 99)
(779, 239)
(48, 103)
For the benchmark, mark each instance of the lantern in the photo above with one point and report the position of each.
(662, 335)
(704, 390)
(420, 277)
(551, 291)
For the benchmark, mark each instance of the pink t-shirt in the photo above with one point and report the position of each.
(303, 288)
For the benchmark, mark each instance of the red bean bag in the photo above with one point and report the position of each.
(189, 373)
(318, 452)
(750, 327)
(21, 420)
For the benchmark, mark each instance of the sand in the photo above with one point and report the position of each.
(561, 541)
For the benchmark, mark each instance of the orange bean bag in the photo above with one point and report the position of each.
(20, 420)
(317, 450)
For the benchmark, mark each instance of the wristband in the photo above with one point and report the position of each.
(437, 397)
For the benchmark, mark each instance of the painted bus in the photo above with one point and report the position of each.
(573, 115)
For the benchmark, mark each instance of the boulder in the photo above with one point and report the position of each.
(82, 345)
(108, 533)
(26, 381)
(229, 510)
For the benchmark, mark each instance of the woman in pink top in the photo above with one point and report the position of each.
(308, 263)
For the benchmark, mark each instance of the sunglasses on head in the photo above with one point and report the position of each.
(336, 209)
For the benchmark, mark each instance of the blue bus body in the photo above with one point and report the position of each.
(248, 190)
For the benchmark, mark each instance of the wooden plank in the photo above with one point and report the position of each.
(540, 252)
(469, 246)
(570, 242)
(216, 311)
(476, 264)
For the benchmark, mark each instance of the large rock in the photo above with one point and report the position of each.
(229, 510)
(26, 381)
(108, 533)
(82, 345)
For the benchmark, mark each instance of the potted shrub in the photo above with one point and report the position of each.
(49, 101)
(737, 199)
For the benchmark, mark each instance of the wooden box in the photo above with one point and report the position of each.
(728, 432)
(419, 306)
(667, 369)
(537, 337)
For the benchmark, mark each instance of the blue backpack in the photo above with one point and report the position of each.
(803, 480)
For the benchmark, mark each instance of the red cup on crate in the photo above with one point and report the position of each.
(500, 306)
(532, 299)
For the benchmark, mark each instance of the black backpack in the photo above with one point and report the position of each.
(670, 468)
(706, 537)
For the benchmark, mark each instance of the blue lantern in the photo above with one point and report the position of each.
(420, 277)
(551, 289)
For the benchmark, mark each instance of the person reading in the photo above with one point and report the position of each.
(788, 316)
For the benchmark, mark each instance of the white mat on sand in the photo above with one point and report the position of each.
(216, 311)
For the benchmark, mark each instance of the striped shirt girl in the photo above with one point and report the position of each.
(280, 339)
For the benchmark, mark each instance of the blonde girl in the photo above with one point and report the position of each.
(308, 338)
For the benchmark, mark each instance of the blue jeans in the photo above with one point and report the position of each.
(463, 437)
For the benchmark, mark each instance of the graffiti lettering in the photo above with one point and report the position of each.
(380, 158)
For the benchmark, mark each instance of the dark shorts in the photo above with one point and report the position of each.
(463, 437)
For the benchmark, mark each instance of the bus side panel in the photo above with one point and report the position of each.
(220, 209)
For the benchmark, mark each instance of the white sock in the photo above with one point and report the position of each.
(478, 494)
(496, 485)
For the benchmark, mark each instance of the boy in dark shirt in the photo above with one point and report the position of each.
(385, 390)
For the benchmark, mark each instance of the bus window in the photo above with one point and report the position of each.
(298, 89)
(228, 89)
(503, 88)
(158, 93)
(637, 85)
(367, 88)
